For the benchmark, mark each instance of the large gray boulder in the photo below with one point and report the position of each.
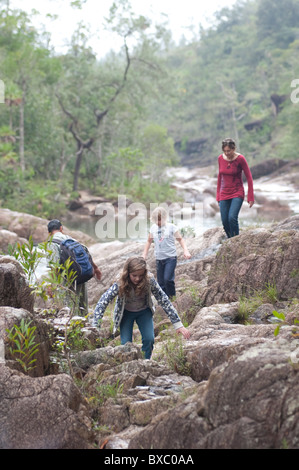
(215, 338)
(42, 413)
(14, 288)
(251, 261)
(9, 238)
(26, 225)
(249, 402)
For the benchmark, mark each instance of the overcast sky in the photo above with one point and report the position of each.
(181, 16)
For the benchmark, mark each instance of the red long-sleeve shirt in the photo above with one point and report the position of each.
(230, 182)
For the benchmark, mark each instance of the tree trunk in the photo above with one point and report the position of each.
(235, 124)
(2, 92)
(79, 154)
(22, 137)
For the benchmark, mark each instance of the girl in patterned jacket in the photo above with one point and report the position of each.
(134, 303)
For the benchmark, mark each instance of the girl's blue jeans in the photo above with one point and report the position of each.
(229, 210)
(166, 275)
(144, 320)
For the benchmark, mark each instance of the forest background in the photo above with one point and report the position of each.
(112, 125)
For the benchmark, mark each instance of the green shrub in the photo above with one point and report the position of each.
(106, 391)
(175, 356)
(282, 321)
(248, 305)
(23, 345)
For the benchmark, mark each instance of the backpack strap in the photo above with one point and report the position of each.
(59, 242)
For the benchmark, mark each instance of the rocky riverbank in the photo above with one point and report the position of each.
(234, 384)
(276, 198)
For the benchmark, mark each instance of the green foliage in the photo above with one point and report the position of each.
(123, 166)
(282, 321)
(28, 256)
(131, 172)
(31, 195)
(270, 292)
(112, 123)
(158, 148)
(23, 344)
(226, 78)
(101, 393)
(281, 318)
(278, 19)
(105, 392)
(78, 3)
(154, 192)
(248, 305)
(174, 355)
(74, 339)
(295, 272)
(58, 284)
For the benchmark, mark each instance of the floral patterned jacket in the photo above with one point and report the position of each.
(154, 289)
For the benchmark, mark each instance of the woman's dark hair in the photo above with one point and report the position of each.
(228, 143)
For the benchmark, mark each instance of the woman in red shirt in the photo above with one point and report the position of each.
(230, 189)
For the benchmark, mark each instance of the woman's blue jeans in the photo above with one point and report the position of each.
(144, 320)
(166, 274)
(229, 210)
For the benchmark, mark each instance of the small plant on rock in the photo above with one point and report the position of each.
(28, 256)
(23, 345)
(270, 292)
(105, 391)
(175, 356)
(248, 304)
(282, 321)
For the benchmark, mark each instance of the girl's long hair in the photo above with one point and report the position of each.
(125, 284)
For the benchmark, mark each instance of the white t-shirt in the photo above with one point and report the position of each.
(164, 240)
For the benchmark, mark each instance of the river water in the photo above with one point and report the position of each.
(196, 191)
(196, 209)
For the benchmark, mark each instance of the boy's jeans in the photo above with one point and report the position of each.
(165, 275)
(144, 320)
(229, 210)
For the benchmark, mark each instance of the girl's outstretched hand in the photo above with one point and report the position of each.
(183, 331)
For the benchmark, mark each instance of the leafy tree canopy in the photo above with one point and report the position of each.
(73, 121)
